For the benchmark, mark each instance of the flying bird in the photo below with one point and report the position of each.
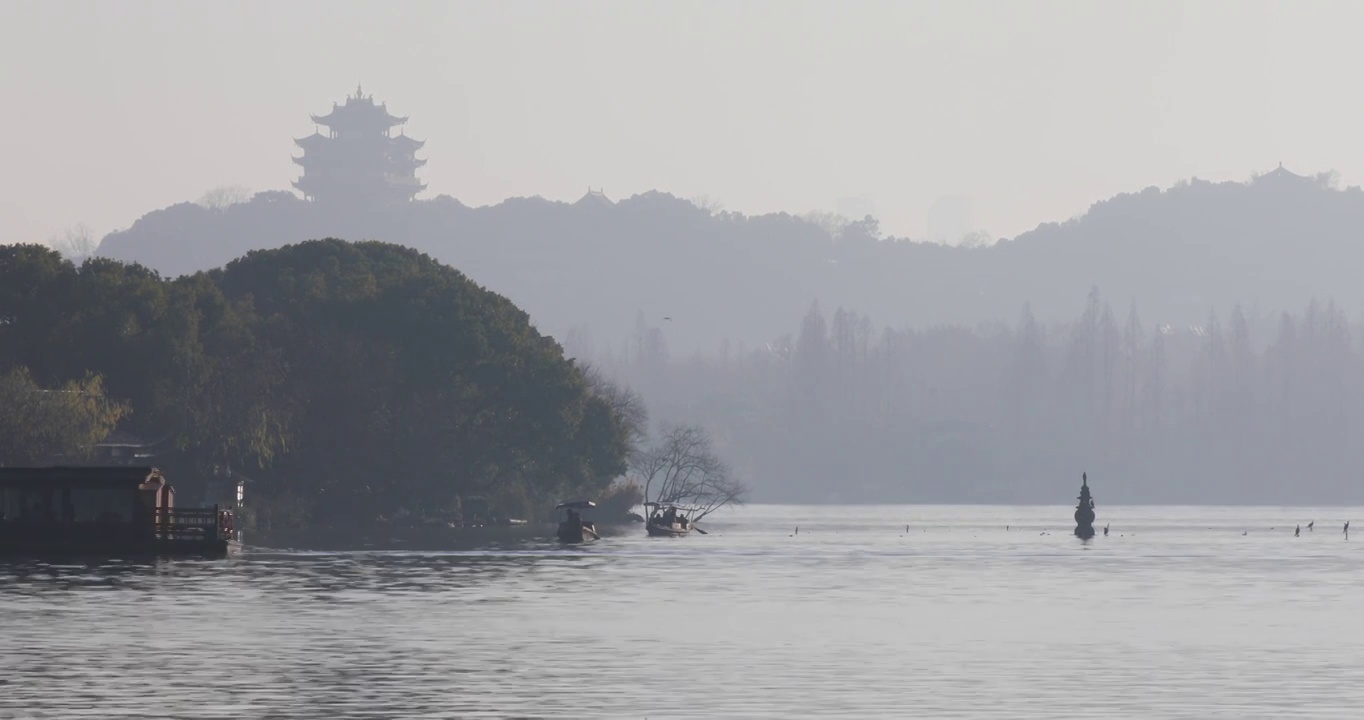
(668, 319)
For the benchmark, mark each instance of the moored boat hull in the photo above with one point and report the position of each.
(656, 530)
(583, 533)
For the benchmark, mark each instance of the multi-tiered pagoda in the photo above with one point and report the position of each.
(359, 161)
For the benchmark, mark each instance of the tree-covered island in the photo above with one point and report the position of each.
(356, 383)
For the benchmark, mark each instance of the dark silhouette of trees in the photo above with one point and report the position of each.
(362, 382)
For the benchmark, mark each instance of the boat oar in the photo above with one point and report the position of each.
(593, 532)
(697, 529)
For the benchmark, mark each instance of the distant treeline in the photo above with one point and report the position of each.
(1272, 244)
(353, 383)
(1014, 412)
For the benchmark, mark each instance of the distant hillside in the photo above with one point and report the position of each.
(594, 265)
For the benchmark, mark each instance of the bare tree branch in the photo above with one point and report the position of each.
(75, 243)
(625, 402)
(222, 198)
(709, 204)
(683, 469)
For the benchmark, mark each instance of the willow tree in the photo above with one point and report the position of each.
(65, 422)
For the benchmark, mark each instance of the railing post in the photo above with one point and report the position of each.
(164, 507)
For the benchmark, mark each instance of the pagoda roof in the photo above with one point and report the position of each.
(359, 109)
(408, 142)
(341, 116)
(313, 140)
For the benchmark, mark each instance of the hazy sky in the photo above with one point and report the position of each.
(1032, 110)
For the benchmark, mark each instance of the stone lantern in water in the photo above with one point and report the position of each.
(1084, 512)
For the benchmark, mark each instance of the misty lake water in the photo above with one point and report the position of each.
(1175, 615)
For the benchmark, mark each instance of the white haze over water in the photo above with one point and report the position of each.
(1031, 110)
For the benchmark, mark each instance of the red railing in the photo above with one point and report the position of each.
(193, 524)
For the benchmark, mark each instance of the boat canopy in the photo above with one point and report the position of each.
(665, 506)
(575, 505)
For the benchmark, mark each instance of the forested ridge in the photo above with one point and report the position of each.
(1274, 243)
(1215, 412)
(354, 382)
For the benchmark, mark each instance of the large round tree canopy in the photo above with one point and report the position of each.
(358, 380)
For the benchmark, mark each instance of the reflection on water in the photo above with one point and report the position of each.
(1176, 614)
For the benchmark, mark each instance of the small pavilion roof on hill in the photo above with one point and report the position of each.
(358, 162)
(594, 197)
(1281, 174)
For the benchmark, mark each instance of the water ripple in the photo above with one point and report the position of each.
(1176, 615)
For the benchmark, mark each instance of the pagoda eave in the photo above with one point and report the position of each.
(334, 119)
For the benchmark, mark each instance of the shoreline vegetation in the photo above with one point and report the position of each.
(358, 385)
